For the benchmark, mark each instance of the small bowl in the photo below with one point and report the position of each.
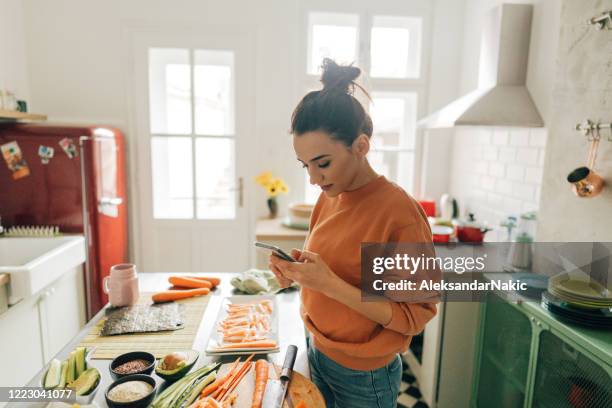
(141, 403)
(133, 355)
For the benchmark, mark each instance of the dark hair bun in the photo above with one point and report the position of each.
(339, 78)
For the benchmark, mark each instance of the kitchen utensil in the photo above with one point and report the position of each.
(277, 389)
(133, 355)
(585, 182)
(471, 230)
(121, 285)
(299, 213)
(521, 252)
(441, 233)
(429, 206)
(446, 207)
(141, 403)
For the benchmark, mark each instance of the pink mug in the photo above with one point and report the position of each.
(121, 285)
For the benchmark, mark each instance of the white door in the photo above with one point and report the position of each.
(192, 90)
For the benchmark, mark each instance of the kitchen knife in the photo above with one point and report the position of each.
(277, 389)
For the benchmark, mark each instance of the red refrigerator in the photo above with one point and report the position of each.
(73, 177)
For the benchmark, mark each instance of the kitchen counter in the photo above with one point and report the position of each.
(273, 229)
(597, 342)
(291, 331)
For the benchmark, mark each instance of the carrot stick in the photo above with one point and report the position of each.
(185, 282)
(214, 281)
(246, 366)
(249, 344)
(261, 378)
(220, 381)
(235, 382)
(170, 295)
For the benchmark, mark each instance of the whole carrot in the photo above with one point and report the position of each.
(170, 295)
(261, 378)
(184, 282)
(214, 281)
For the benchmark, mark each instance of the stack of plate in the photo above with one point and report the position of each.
(575, 298)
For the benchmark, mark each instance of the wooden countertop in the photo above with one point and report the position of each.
(4, 279)
(271, 229)
(291, 330)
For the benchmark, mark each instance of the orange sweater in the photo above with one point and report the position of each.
(379, 211)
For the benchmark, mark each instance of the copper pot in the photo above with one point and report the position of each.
(585, 182)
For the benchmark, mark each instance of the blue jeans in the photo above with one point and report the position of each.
(346, 388)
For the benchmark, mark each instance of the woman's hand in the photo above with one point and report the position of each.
(283, 281)
(310, 271)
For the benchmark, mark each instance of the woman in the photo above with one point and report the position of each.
(354, 346)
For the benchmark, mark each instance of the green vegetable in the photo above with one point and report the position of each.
(179, 393)
(71, 375)
(79, 358)
(52, 379)
(62, 382)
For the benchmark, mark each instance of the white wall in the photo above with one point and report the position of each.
(497, 172)
(13, 69)
(582, 90)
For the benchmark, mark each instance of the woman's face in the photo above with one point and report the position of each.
(330, 164)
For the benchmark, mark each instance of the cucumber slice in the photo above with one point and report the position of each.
(62, 382)
(79, 361)
(52, 379)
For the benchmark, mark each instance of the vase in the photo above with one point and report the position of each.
(273, 207)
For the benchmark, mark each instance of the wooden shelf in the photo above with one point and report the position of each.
(15, 115)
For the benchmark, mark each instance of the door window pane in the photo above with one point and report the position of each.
(394, 118)
(215, 178)
(214, 92)
(172, 177)
(394, 165)
(169, 91)
(395, 47)
(332, 35)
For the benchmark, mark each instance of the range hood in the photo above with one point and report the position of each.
(502, 98)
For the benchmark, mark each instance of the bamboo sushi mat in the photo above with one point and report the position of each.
(159, 343)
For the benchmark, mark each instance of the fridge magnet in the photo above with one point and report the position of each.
(69, 147)
(14, 160)
(46, 153)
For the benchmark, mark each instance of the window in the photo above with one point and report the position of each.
(192, 125)
(392, 148)
(391, 62)
(332, 35)
(395, 50)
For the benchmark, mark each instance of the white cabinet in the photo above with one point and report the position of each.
(20, 343)
(63, 312)
(36, 328)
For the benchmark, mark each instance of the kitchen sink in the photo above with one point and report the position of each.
(34, 263)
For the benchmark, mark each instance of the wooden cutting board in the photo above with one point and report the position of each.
(300, 389)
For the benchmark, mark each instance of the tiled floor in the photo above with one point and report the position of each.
(410, 395)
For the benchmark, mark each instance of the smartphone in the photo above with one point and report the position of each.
(276, 251)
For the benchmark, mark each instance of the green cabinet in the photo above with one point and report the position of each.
(526, 358)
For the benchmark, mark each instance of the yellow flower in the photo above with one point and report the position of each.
(275, 187)
(264, 178)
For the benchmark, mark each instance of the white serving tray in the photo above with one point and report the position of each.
(215, 338)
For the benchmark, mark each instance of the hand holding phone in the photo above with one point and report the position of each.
(276, 251)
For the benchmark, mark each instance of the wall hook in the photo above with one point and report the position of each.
(591, 129)
(602, 21)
